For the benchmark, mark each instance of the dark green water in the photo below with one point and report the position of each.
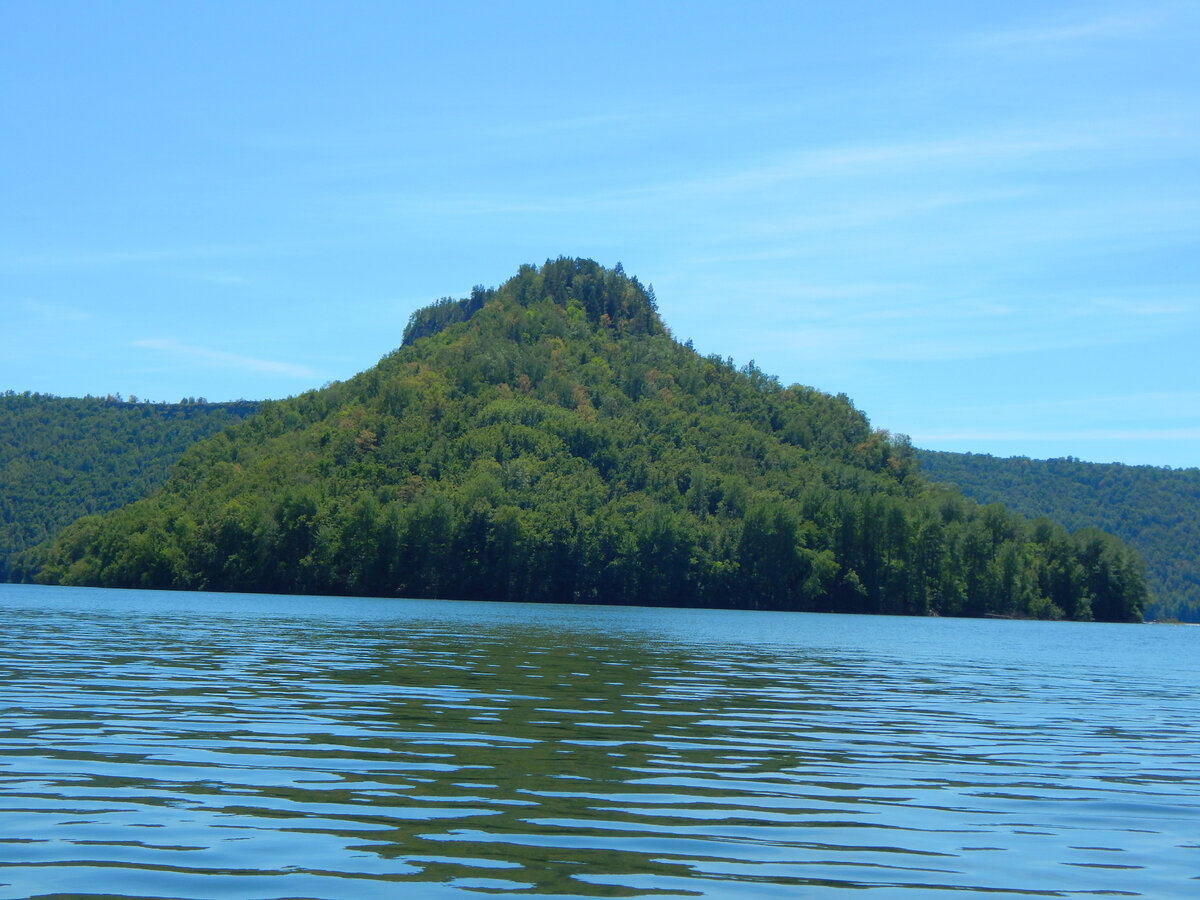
(184, 745)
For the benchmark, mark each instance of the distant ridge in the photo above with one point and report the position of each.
(66, 457)
(1156, 510)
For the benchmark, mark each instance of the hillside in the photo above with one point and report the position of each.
(64, 457)
(550, 441)
(1156, 510)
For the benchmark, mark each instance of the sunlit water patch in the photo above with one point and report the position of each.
(193, 745)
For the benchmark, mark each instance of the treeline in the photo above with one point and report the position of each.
(62, 458)
(1156, 510)
(554, 443)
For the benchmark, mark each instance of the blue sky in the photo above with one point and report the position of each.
(979, 220)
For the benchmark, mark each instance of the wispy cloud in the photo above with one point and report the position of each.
(1155, 408)
(1086, 434)
(894, 155)
(219, 277)
(224, 360)
(1062, 32)
(56, 312)
(792, 189)
(897, 326)
(55, 258)
(1147, 308)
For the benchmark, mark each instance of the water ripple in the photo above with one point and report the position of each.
(215, 746)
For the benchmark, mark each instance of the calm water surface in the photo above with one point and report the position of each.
(202, 745)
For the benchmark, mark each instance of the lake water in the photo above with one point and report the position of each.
(202, 745)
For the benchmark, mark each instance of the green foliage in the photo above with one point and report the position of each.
(605, 297)
(62, 458)
(549, 441)
(1156, 510)
(445, 312)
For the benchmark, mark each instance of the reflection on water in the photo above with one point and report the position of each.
(173, 745)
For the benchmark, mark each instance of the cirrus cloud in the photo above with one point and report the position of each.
(223, 359)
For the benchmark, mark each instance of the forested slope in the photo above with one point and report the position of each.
(1156, 510)
(550, 441)
(64, 457)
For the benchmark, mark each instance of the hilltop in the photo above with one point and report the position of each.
(549, 440)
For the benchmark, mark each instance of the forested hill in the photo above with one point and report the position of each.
(63, 457)
(1156, 510)
(549, 440)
